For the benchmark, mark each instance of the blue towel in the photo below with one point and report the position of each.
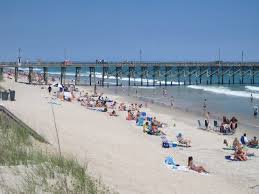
(140, 121)
(170, 160)
(143, 114)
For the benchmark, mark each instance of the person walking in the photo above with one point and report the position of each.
(49, 89)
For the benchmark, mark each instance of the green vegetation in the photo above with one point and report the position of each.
(41, 171)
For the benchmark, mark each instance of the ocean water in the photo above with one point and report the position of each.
(222, 99)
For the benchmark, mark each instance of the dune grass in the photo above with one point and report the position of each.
(42, 171)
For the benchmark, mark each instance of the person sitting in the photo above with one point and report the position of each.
(137, 116)
(146, 127)
(113, 113)
(156, 122)
(206, 123)
(233, 123)
(181, 140)
(225, 125)
(225, 142)
(193, 167)
(105, 109)
(113, 105)
(236, 144)
(83, 102)
(122, 107)
(130, 116)
(244, 139)
(253, 142)
(240, 154)
(154, 128)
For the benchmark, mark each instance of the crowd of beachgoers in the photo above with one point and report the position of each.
(152, 126)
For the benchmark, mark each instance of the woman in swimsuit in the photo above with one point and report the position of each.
(240, 154)
(198, 169)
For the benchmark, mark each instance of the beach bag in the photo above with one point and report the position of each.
(165, 144)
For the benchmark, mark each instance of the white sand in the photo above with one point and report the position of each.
(126, 159)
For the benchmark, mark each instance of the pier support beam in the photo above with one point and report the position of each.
(242, 76)
(154, 75)
(30, 74)
(45, 75)
(167, 70)
(63, 75)
(131, 74)
(233, 75)
(77, 75)
(200, 75)
(92, 71)
(222, 75)
(118, 74)
(16, 74)
(104, 73)
(189, 75)
(253, 75)
(178, 75)
(211, 75)
(143, 69)
(218, 73)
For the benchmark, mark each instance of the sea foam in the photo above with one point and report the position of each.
(225, 91)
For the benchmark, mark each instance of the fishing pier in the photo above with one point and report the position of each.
(147, 73)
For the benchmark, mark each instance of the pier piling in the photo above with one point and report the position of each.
(77, 75)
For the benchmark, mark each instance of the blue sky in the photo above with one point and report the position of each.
(116, 29)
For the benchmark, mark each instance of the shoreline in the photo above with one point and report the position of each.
(195, 115)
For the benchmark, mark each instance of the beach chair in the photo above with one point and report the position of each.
(215, 125)
(200, 126)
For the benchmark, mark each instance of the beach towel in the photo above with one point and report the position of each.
(170, 163)
(56, 103)
(166, 143)
(228, 148)
(158, 133)
(230, 158)
(183, 145)
(253, 147)
(95, 109)
(233, 159)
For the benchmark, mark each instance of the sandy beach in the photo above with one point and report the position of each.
(128, 160)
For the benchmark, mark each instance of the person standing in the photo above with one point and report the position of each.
(164, 92)
(255, 111)
(49, 89)
(205, 105)
(251, 98)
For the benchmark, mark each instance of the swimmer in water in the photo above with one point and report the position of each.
(172, 101)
